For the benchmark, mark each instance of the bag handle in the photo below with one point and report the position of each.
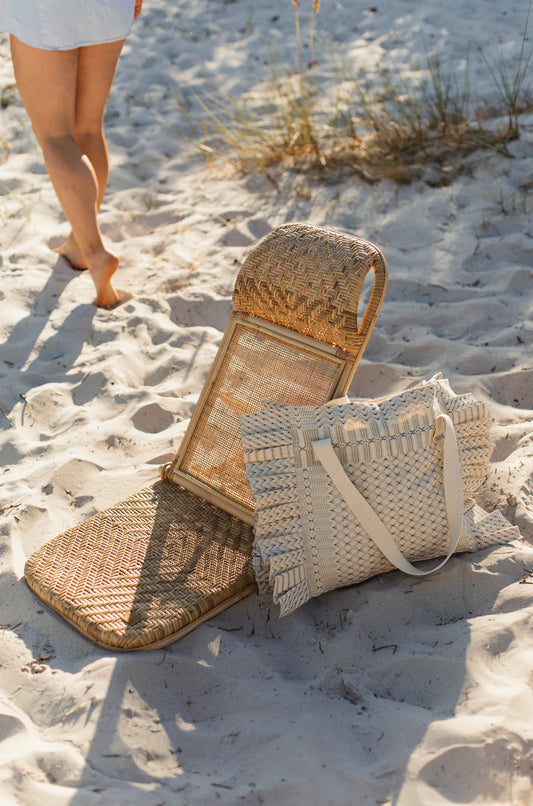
(373, 525)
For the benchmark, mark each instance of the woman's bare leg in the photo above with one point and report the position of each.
(53, 76)
(96, 70)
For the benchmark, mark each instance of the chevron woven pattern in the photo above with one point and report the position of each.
(138, 574)
(309, 279)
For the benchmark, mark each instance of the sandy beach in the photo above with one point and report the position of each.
(396, 691)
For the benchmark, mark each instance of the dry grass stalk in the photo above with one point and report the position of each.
(378, 128)
(514, 92)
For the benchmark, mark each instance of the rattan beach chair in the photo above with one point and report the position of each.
(149, 569)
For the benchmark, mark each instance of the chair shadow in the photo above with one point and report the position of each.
(194, 551)
(389, 685)
(171, 687)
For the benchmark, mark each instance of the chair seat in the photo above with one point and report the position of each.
(145, 571)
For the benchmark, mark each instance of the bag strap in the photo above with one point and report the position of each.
(373, 525)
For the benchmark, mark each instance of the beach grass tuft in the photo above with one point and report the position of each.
(377, 125)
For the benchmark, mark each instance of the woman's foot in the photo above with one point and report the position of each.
(102, 269)
(72, 253)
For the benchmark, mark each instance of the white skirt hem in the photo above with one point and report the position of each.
(86, 44)
(66, 24)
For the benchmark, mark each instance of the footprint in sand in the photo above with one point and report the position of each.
(9, 727)
(234, 237)
(259, 227)
(152, 418)
(197, 312)
(483, 772)
(512, 388)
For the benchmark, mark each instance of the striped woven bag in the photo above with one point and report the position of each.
(343, 492)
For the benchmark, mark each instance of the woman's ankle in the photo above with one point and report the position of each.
(72, 253)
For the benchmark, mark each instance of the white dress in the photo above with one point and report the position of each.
(66, 24)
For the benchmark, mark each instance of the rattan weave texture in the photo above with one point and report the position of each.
(141, 572)
(257, 367)
(309, 279)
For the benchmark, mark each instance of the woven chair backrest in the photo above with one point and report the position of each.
(293, 337)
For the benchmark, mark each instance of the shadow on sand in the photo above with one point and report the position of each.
(20, 369)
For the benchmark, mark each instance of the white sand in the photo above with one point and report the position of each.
(395, 691)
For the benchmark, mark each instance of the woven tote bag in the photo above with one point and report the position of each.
(344, 492)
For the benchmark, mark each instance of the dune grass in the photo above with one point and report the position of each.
(377, 125)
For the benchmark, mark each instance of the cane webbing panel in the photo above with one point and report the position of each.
(256, 367)
(138, 574)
